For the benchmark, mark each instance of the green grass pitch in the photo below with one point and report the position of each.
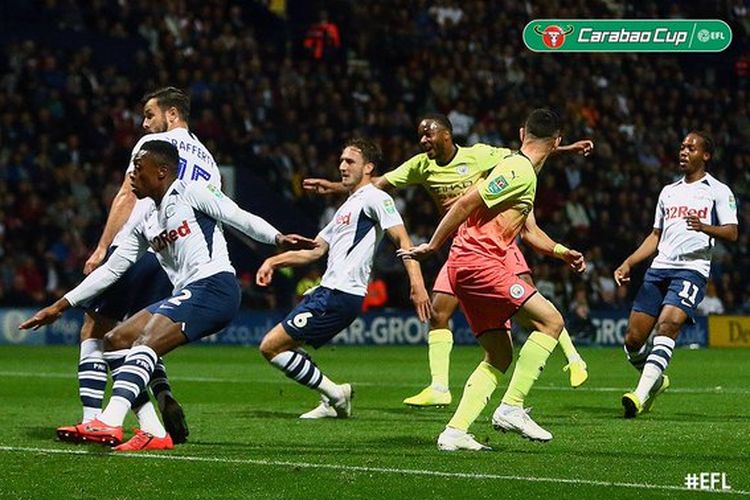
(246, 441)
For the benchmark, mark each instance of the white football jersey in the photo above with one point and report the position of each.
(196, 164)
(680, 248)
(353, 236)
(185, 233)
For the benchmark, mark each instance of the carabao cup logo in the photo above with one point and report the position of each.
(553, 36)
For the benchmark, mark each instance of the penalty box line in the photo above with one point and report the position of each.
(363, 469)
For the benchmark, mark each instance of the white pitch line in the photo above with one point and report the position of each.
(363, 469)
(219, 380)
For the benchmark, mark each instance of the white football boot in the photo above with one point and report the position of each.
(516, 419)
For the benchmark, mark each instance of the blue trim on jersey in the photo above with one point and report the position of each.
(207, 225)
(364, 225)
(714, 215)
(714, 222)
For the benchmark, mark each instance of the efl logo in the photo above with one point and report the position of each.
(497, 185)
(553, 36)
(627, 35)
(166, 237)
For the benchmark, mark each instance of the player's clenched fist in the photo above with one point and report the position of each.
(265, 274)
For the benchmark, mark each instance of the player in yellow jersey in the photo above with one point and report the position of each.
(486, 221)
(447, 171)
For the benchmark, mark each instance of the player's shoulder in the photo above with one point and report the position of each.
(419, 160)
(678, 184)
(373, 193)
(715, 184)
(375, 199)
(198, 189)
(516, 160)
(143, 140)
(487, 149)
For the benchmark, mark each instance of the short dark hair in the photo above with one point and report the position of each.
(543, 123)
(370, 150)
(166, 151)
(440, 119)
(708, 141)
(168, 97)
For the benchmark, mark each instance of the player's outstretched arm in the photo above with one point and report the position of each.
(119, 212)
(294, 242)
(418, 295)
(211, 201)
(646, 250)
(94, 284)
(583, 147)
(541, 243)
(324, 186)
(292, 258)
(726, 232)
(45, 316)
(458, 213)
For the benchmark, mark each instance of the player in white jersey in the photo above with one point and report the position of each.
(350, 240)
(183, 227)
(165, 113)
(690, 214)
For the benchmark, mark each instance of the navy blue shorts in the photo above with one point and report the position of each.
(204, 307)
(677, 287)
(144, 283)
(322, 315)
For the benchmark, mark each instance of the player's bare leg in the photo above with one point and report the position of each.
(576, 365)
(655, 359)
(440, 344)
(284, 352)
(546, 323)
(481, 384)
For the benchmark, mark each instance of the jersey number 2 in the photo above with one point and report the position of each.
(689, 292)
(185, 295)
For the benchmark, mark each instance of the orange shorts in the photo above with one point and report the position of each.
(489, 296)
(442, 283)
(515, 260)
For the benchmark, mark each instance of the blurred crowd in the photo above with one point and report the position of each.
(279, 86)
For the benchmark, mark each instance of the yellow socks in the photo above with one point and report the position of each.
(531, 361)
(567, 346)
(477, 392)
(440, 345)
